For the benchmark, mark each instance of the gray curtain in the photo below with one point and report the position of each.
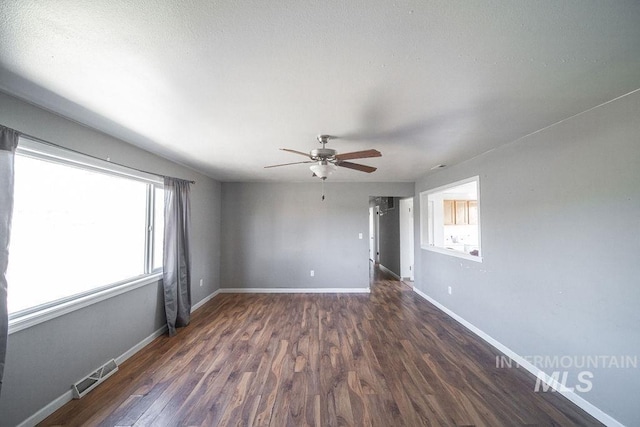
(176, 276)
(8, 144)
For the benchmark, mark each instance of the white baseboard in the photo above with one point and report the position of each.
(68, 396)
(47, 410)
(204, 300)
(295, 290)
(572, 396)
(136, 348)
(386, 270)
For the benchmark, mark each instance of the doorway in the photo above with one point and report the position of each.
(391, 240)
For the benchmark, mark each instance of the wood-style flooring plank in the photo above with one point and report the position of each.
(384, 359)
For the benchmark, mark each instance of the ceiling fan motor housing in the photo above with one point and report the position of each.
(323, 154)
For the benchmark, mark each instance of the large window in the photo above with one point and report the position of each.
(80, 226)
(450, 219)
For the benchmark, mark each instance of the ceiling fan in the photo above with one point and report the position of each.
(326, 160)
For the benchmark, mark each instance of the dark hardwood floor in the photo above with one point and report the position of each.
(385, 359)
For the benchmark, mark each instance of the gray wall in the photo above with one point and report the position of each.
(560, 218)
(274, 234)
(390, 238)
(44, 360)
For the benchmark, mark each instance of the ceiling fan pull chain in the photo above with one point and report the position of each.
(322, 180)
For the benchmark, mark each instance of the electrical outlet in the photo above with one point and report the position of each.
(450, 290)
(312, 273)
(360, 236)
(201, 282)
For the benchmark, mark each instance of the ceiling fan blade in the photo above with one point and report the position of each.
(287, 164)
(295, 152)
(357, 166)
(358, 155)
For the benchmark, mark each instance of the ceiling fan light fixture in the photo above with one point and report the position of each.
(323, 169)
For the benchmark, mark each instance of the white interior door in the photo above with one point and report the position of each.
(406, 238)
(376, 235)
(371, 234)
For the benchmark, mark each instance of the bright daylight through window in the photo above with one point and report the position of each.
(80, 226)
(450, 219)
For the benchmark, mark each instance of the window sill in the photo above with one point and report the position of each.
(32, 319)
(453, 253)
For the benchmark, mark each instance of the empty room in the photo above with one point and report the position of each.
(413, 213)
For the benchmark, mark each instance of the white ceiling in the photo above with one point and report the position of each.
(221, 85)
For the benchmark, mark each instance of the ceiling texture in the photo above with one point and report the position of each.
(220, 86)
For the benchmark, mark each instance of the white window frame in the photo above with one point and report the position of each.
(43, 312)
(427, 227)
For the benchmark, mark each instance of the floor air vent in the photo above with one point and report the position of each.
(91, 381)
